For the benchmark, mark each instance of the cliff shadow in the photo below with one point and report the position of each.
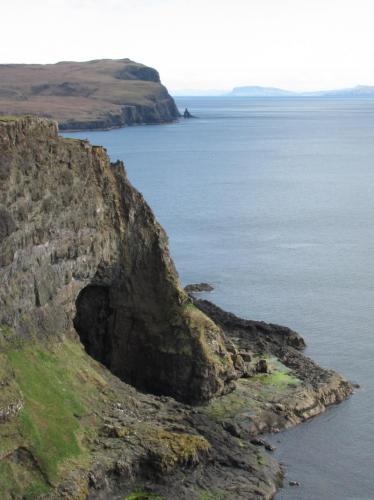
(94, 322)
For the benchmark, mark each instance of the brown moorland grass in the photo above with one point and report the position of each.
(89, 94)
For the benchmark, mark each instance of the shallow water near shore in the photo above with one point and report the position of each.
(271, 201)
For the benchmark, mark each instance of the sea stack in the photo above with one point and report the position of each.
(187, 114)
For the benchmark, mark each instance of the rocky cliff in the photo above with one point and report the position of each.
(90, 302)
(96, 94)
(82, 251)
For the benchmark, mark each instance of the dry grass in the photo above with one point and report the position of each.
(86, 91)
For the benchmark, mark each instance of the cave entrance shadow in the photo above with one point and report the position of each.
(121, 340)
(94, 322)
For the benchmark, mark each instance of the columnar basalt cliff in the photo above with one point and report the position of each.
(90, 302)
(82, 248)
(98, 94)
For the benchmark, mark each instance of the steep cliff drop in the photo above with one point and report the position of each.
(76, 233)
(97, 94)
(89, 303)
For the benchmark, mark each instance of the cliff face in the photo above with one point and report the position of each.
(82, 252)
(83, 261)
(90, 301)
(87, 95)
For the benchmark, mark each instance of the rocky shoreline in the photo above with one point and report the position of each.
(296, 387)
(114, 382)
(198, 288)
(231, 459)
(128, 116)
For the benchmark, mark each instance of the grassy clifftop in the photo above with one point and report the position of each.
(82, 95)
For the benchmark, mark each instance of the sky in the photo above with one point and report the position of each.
(202, 44)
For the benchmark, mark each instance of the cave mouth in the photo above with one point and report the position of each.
(119, 338)
(94, 322)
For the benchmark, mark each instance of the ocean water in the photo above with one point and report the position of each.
(272, 202)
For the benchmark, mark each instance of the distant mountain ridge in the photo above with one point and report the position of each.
(258, 91)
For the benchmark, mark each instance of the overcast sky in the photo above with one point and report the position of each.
(205, 44)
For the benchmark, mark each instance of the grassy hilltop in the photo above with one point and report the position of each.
(86, 95)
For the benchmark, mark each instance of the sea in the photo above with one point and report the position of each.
(271, 201)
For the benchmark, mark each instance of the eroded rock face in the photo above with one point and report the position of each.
(83, 259)
(79, 245)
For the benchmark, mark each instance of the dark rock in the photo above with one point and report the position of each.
(198, 287)
(269, 447)
(262, 366)
(257, 442)
(262, 442)
(187, 114)
(246, 356)
(232, 428)
(263, 333)
(7, 225)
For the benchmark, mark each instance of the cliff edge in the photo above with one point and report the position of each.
(97, 94)
(82, 252)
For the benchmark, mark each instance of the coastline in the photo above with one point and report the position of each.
(297, 388)
(175, 415)
(91, 95)
(116, 127)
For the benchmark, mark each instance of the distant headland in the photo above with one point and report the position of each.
(259, 91)
(252, 91)
(99, 94)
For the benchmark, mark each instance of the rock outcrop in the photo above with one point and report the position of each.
(90, 302)
(279, 387)
(80, 247)
(187, 114)
(97, 94)
(198, 287)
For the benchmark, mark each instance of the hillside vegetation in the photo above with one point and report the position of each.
(82, 95)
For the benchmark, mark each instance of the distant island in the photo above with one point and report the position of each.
(259, 91)
(99, 94)
(255, 91)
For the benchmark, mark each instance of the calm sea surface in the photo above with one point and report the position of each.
(272, 202)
